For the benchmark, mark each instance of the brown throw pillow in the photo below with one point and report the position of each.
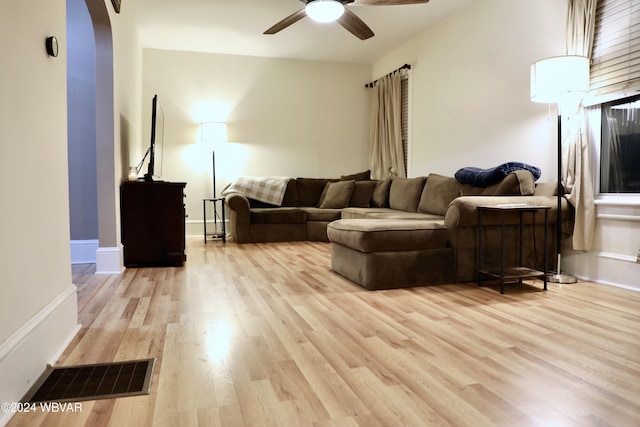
(360, 176)
(336, 195)
(362, 192)
(310, 190)
(524, 184)
(404, 194)
(438, 192)
(380, 196)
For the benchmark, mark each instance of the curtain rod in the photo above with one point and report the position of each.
(405, 66)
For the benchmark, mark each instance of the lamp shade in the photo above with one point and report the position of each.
(324, 10)
(213, 132)
(553, 78)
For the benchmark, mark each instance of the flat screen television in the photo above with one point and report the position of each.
(154, 167)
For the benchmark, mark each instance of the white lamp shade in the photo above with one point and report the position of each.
(553, 78)
(324, 10)
(213, 132)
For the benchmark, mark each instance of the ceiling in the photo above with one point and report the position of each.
(236, 27)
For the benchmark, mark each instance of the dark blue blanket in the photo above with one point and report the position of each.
(486, 177)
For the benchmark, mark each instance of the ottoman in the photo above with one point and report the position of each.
(385, 253)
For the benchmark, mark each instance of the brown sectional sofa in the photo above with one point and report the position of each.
(311, 204)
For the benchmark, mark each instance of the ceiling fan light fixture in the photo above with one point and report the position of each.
(324, 10)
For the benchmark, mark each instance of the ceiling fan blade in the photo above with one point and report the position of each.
(291, 19)
(388, 2)
(355, 25)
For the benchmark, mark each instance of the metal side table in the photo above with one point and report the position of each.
(518, 272)
(217, 234)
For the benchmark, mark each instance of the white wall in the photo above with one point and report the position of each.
(81, 110)
(613, 258)
(118, 83)
(127, 91)
(127, 64)
(470, 91)
(37, 300)
(285, 118)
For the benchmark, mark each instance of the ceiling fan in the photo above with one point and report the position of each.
(335, 11)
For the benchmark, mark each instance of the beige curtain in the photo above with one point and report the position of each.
(575, 144)
(386, 155)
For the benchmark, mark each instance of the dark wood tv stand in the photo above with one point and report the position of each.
(153, 223)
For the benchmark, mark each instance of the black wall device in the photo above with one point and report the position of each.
(52, 46)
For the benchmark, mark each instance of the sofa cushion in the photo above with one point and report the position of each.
(546, 189)
(374, 235)
(380, 196)
(518, 183)
(392, 214)
(362, 193)
(336, 195)
(438, 192)
(386, 213)
(360, 176)
(404, 193)
(355, 213)
(317, 214)
(523, 184)
(278, 216)
(310, 190)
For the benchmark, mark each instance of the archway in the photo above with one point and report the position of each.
(108, 255)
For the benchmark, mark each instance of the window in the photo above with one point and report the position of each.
(620, 150)
(615, 82)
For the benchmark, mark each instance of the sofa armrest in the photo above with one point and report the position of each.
(462, 225)
(463, 211)
(237, 202)
(239, 216)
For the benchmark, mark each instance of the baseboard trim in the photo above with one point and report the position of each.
(617, 257)
(84, 251)
(606, 268)
(109, 260)
(40, 341)
(195, 227)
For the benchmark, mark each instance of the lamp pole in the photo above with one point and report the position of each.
(559, 277)
(213, 166)
(213, 133)
(553, 79)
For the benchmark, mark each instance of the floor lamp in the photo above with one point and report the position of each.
(213, 133)
(561, 80)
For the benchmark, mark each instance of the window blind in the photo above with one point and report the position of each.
(615, 58)
(405, 121)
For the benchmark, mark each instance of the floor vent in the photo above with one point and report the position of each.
(91, 382)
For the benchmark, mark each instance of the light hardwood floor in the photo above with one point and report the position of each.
(267, 335)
